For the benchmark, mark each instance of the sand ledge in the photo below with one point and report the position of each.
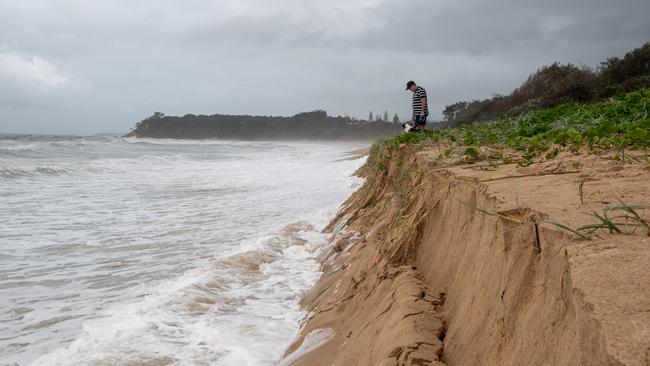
(418, 277)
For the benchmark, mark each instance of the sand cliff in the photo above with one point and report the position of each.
(454, 266)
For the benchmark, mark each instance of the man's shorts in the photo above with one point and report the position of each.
(420, 121)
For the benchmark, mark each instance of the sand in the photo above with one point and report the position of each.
(356, 154)
(434, 266)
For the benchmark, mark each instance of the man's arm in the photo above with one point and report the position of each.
(423, 102)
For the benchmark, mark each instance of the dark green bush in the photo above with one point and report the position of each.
(557, 84)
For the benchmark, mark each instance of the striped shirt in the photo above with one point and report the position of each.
(417, 103)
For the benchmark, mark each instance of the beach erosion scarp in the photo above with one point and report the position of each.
(463, 265)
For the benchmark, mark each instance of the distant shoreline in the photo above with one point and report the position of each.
(309, 126)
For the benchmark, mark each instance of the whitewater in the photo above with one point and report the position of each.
(119, 251)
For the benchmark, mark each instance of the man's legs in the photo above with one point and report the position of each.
(420, 122)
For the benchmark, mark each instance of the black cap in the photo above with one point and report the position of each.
(410, 84)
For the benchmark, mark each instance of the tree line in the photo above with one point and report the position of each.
(383, 118)
(558, 83)
(316, 125)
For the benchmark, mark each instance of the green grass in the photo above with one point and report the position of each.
(618, 124)
(620, 219)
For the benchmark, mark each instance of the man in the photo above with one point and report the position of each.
(420, 105)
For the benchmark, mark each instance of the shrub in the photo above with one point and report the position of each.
(556, 84)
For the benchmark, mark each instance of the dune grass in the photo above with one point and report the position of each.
(619, 124)
(619, 219)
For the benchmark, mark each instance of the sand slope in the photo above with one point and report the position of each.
(419, 276)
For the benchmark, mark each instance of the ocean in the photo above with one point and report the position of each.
(119, 251)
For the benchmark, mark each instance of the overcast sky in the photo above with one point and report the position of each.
(80, 66)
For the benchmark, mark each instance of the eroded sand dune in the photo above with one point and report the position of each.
(451, 266)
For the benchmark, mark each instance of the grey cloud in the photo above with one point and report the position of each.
(246, 31)
(126, 59)
(486, 26)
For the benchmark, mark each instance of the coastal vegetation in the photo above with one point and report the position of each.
(559, 108)
(619, 125)
(557, 84)
(316, 125)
